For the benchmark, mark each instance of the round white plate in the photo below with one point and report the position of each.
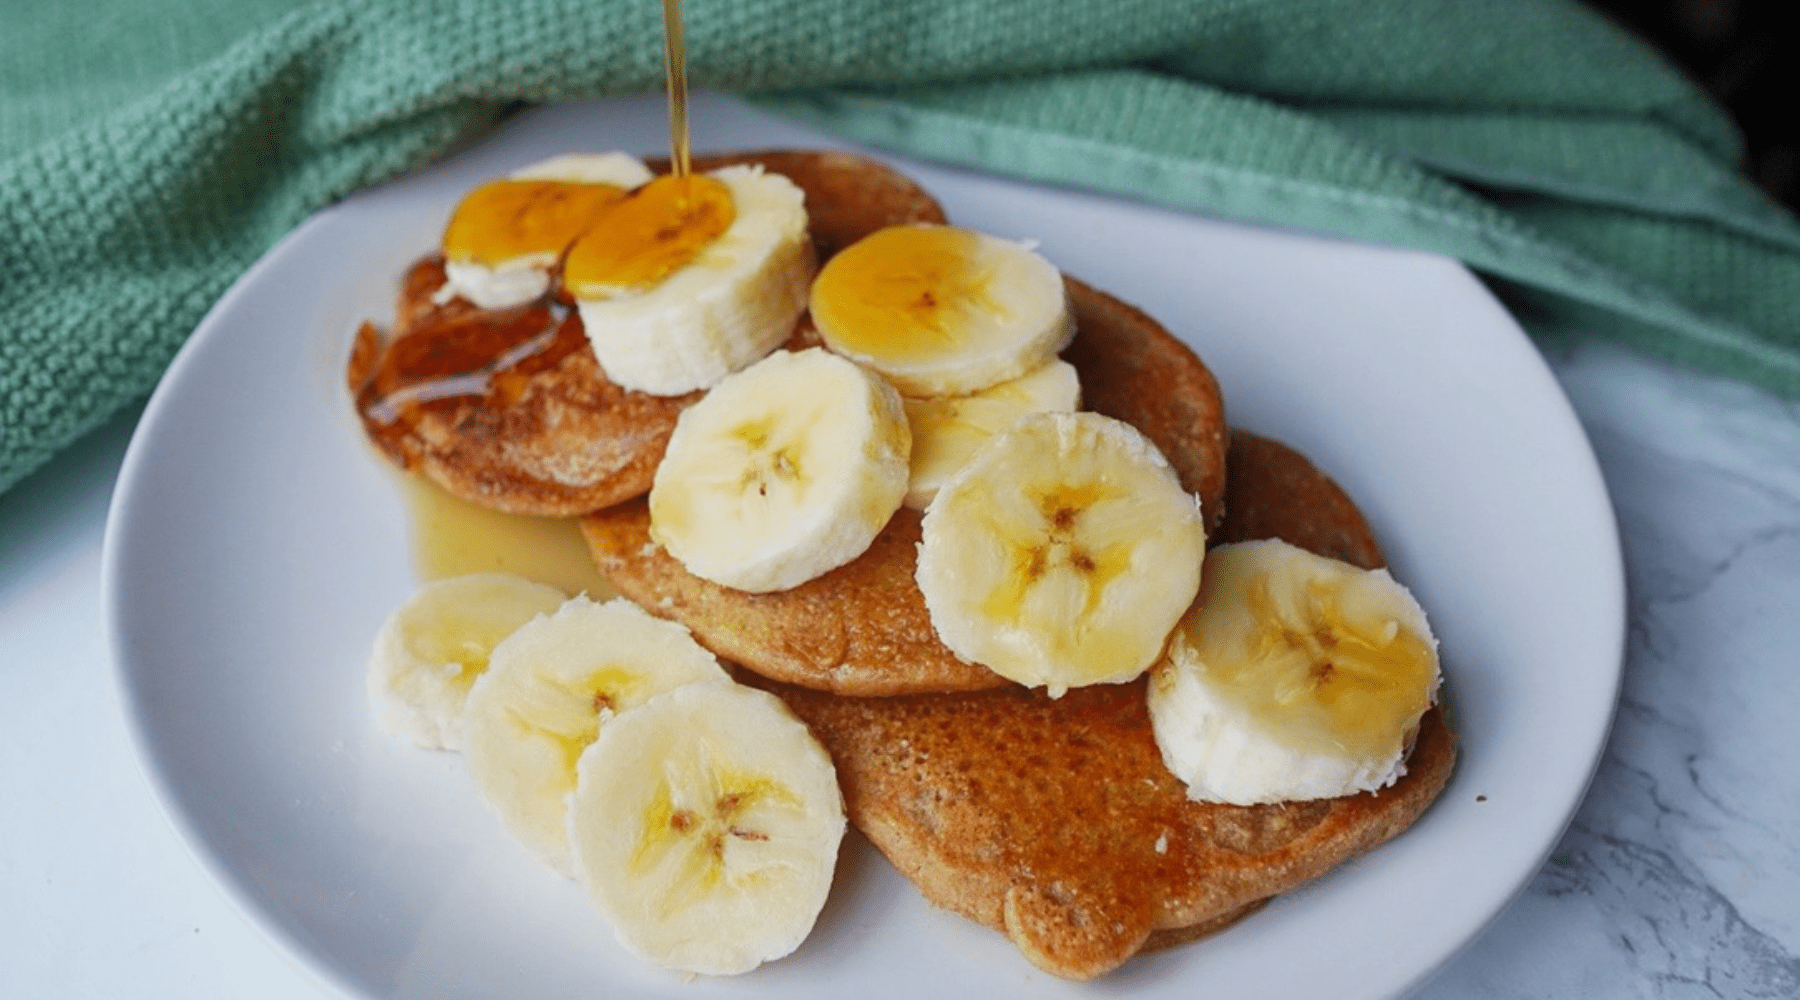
(255, 544)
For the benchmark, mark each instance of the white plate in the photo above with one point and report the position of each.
(255, 545)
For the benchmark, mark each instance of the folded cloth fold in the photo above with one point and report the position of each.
(149, 153)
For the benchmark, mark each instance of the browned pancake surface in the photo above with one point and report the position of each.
(860, 628)
(1134, 370)
(567, 440)
(863, 628)
(1274, 491)
(1056, 821)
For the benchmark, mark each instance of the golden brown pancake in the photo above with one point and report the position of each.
(1273, 491)
(1133, 369)
(1056, 821)
(862, 628)
(553, 435)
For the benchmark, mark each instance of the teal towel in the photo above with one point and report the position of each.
(150, 152)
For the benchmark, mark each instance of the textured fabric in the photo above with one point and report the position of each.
(150, 152)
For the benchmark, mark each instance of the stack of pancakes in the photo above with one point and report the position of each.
(1052, 821)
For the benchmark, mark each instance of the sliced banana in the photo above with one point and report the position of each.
(942, 311)
(693, 278)
(549, 690)
(1293, 677)
(1062, 554)
(505, 237)
(434, 646)
(782, 472)
(947, 430)
(705, 825)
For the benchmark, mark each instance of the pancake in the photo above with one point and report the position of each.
(1136, 371)
(1274, 491)
(556, 441)
(862, 629)
(1056, 822)
(552, 435)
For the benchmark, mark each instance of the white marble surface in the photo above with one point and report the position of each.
(1680, 876)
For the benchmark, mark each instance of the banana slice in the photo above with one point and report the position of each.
(505, 237)
(433, 647)
(947, 430)
(1293, 677)
(1062, 554)
(782, 472)
(693, 278)
(549, 690)
(705, 825)
(942, 311)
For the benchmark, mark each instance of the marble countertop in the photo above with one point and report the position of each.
(1679, 877)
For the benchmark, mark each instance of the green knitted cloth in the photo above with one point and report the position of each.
(151, 151)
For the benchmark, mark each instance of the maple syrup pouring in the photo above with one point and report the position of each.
(675, 60)
(492, 356)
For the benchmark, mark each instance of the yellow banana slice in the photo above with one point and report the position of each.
(942, 311)
(553, 686)
(1062, 554)
(705, 825)
(947, 430)
(433, 647)
(693, 278)
(1293, 677)
(505, 237)
(782, 472)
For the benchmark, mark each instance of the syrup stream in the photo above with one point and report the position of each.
(675, 59)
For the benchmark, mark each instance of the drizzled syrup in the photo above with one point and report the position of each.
(451, 358)
(454, 358)
(505, 219)
(653, 232)
(454, 355)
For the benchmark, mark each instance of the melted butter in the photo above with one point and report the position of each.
(503, 220)
(654, 232)
(453, 537)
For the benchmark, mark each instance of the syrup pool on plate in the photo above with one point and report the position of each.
(453, 537)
